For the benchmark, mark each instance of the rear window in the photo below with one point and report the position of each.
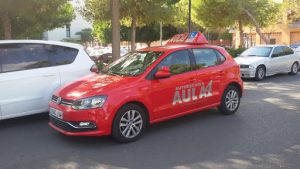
(24, 56)
(15, 57)
(59, 55)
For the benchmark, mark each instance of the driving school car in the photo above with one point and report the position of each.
(149, 86)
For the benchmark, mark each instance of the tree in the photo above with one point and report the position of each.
(150, 33)
(115, 25)
(133, 13)
(292, 10)
(85, 35)
(218, 14)
(32, 17)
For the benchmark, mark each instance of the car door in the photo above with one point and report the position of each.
(25, 79)
(209, 75)
(276, 62)
(172, 96)
(289, 58)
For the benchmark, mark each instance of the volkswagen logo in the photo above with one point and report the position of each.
(58, 101)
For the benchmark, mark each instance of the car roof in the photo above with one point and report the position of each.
(66, 44)
(269, 45)
(178, 47)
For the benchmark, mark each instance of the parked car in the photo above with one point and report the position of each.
(297, 50)
(294, 46)
(261, 61)
(31, 70)
(148, 86)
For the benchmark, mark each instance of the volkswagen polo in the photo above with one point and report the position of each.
(149, 86)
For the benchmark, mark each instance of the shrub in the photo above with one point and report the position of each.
(234, 52)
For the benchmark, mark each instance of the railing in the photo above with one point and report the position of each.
(294, 25)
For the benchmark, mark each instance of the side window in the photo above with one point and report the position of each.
(206, 58)
(287, 50)
(15, 57)
(221, 58)
(59, 55)
(277, 52)
(178, 62)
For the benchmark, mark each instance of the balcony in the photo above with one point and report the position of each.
(294, 25)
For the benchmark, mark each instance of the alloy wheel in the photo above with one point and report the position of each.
(131, 124)
(232, 100)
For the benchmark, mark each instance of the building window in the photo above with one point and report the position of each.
(68, 31)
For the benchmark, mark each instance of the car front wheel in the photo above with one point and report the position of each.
(129, 123)
(230, 100)
(260, 73)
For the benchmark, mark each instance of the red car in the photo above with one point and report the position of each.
(149, 86)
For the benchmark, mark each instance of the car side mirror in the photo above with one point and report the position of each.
(163, 72)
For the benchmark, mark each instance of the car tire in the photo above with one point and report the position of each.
(294, 69)
(129, 123)
(260, 73)
(230, 100)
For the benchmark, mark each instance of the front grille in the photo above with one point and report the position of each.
(63, 101)
(244, 66)
(66, 126)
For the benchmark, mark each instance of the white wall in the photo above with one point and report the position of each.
(77, 25)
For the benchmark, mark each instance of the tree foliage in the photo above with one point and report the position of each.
(30, 18)
(133, 13)
(85, 35)
(220, 14)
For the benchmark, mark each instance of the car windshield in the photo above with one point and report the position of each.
(132, 64)
(257, 51)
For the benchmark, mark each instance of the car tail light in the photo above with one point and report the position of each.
(94, 69)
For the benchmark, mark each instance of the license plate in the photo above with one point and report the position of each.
(56, 113)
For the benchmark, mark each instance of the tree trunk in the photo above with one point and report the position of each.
(4, 17)
(148, 44)
(257, 27)
(133, 32)
(241, 45)
(115, 26)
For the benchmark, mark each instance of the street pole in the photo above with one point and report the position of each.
(161, 33)
(190, 6)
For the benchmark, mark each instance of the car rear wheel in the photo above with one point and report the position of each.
(230, 100)
(294, 69)
(129, 123)
(260, 73)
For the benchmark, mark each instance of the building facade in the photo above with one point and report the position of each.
(68, 32)
(285, 34)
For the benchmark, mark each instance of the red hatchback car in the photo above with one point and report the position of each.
(149, 86)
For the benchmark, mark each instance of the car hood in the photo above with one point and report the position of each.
(244, 60)
(92, 85)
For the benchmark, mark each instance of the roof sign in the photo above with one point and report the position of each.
(195, 38)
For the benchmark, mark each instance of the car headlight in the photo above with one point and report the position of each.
(251, 67)
(89, 103)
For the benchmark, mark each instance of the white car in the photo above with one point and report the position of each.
(31, 70)
(297, 50)
(261, 61)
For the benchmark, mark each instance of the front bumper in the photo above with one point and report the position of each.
(247, 73)
(69, 124)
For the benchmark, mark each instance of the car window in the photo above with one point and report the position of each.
(178, 62)
(206, 58)
(132, 64)
(15, 57)
(278, 51)
(59, 55)
(257, 52)
(287, 50)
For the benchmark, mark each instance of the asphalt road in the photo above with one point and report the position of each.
(263, 134)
